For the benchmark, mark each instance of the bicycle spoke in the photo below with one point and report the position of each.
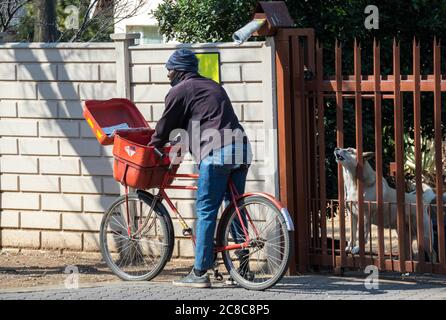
(267, 254)
(143, 253)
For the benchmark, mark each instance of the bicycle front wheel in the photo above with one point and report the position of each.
(136, 246)
(264, 262)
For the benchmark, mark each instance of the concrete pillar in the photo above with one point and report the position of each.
(122, 43)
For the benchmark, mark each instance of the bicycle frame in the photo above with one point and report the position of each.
(235, 196)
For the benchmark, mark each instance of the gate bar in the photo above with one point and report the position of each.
(378, 151)
(417, 140)
(321, 138)
(438, 151)
(399, 155)
(340, 143)
(359, 150)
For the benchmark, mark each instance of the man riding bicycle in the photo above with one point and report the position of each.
(218, 143)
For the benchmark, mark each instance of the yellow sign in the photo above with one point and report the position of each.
(209, 65)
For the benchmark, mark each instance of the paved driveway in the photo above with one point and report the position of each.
(305, 287)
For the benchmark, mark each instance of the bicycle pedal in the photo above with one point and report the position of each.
(230, 281)
(218, 276)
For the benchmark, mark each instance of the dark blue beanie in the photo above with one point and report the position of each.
(183, 60)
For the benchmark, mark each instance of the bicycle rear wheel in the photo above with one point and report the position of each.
(264, 262)
(136, 257)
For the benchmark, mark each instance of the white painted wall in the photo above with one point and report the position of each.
(56, 179)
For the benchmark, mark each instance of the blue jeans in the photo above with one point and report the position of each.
(230, 161)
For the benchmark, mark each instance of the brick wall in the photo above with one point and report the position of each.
(56, 179)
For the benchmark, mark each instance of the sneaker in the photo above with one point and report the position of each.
(191, 280)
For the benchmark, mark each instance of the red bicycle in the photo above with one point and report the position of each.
(254, 234)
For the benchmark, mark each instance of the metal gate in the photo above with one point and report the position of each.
(324, 225)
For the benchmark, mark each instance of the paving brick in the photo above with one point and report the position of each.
(98, 91)
(79, 221)
(241, 55)
(81, 184)
(58, 91)
(255, 186)
(9, 182)
(107, 72)
(36, 71)
(77, 72)
(9, 219)
(70, 109)
(8, 146)
(91, 242)
(140, 74)
(39, 183)
(230, 73)
(150, 56)
(18, 164)
(18, 200)
(18, 90)
(40, 220)
(100, 167)
(186, 208)
(38, 146)
(58, 165)
(111, 186)
(186, 248)
(255, 131)
(86, 131)
(252, 72)
(244, 92)
(97, 203)
(253, 112)
(181, 194)
(80, 147)
(158, 74)
(61, 202)
(37, 109)
(157, 111)
(258, 151)
(149, 93)
(18, 127)
(21, 238)
(238, 110)
(8, 109)
(58, 128)
(62, 240)
(145, 110)
(7, 71)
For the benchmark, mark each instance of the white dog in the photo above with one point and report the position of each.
(347, 158)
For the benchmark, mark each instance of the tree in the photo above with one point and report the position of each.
(80, 20)
(45, 29)
(8, 12)
(203, 20)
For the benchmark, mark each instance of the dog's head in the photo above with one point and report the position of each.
(347, 157)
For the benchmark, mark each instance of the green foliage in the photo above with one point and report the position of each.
(428, 171)
(204, 20)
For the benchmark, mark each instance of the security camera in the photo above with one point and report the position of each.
(244, 33)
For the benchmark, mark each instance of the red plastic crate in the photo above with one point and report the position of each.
(136, 164)
(104, 115)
